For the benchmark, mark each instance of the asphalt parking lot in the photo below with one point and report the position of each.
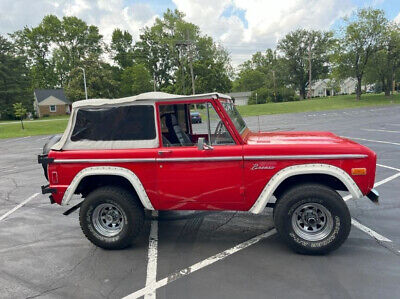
(203, 255)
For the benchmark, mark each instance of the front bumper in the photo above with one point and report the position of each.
(373, 195)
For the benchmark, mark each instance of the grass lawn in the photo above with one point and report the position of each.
(326, 103)
(53, 125)
(45, 126)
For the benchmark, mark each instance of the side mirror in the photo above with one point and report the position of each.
(202, 145)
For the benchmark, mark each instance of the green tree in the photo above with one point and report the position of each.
(135, 79)
(363, 38)
(57, 46)
(99, 79)
(172, 45)
(20, 112)
(295, 47)
(122, 48)
(249, 79)
(14, 81)
(385, 63)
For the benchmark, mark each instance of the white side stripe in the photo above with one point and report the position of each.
(307, 157)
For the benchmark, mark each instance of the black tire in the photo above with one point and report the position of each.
(116, 204)
(300, 221)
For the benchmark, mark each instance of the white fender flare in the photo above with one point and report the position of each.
(108, 170)
(287, 172)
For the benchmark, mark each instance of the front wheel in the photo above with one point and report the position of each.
(111, 217)
(312, 219)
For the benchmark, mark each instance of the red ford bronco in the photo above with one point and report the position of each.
(145, 152)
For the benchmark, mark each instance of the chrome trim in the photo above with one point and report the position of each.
(104, 160)
(200, 159)
(306, 157)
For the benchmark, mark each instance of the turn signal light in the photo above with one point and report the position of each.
(358, 171)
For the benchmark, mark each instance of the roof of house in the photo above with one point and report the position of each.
(147, 96)
(240, 94)
(42, 94)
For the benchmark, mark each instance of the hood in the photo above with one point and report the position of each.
(294, 138)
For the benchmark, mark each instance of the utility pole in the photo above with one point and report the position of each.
(273, 76)
(309, 69)
(154, 82)
(187, 46)
(84, 81)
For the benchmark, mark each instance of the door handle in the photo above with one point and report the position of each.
(163, 152)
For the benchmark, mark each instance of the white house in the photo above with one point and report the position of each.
(348, 86)
(241, 98)
(321, 88)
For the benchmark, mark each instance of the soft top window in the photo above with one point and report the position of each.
(115, 123)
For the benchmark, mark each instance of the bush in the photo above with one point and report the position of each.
(265, 95)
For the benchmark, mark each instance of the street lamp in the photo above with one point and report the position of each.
(84, 81)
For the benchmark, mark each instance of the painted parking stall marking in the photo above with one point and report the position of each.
(371, 140)
(202, 264)
(152, 254)
(18, 206)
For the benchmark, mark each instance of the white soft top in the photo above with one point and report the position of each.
(148, 98)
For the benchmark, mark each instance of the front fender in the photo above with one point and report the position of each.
(287, 172)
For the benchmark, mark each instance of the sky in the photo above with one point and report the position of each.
(241, 26)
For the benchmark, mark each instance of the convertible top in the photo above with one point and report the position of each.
(109, 137)
(147, 97)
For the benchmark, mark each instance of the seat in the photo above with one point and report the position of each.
(165, 141)
(176, 134)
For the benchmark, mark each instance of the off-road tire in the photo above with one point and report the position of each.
(309, 195)
(129, 208)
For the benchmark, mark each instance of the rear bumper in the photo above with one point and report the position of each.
(373, 195)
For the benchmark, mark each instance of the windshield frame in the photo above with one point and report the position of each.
(234, 115)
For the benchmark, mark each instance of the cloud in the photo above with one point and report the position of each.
(397, 19)
(242, 26)
(265, 21)
(106, 14)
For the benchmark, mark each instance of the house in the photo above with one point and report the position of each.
(241, 98)
(51, 102)
(322, 88)
(348, 86)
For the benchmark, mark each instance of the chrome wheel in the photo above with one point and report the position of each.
(108, 219)
(312, 222)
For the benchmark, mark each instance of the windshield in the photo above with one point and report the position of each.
(235, 116)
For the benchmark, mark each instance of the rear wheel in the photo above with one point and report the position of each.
(111, 217)
(312, 219)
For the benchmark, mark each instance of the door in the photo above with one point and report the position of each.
(190, 178)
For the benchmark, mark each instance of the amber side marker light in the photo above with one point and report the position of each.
(358, 171)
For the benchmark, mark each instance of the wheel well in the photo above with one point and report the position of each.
(92, 182)
(318, 178)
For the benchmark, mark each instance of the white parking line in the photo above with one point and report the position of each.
(388, 167)
(211, 260)
(380, 130)
(370, 140)
(369, 231)
(18, 206)
(151, 277)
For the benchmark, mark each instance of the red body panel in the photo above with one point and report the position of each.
(215, 185)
